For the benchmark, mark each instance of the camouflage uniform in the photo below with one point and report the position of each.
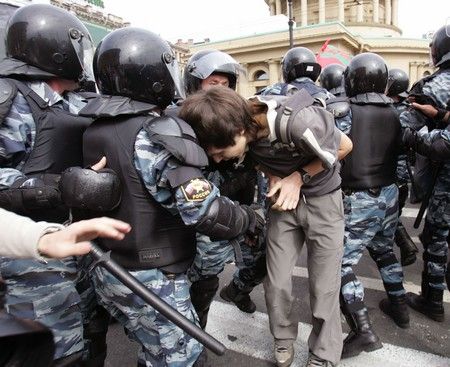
(212, 256)
(370, 222)
(437, 221)
(402, 170)
(163, 344)
(283, 89)
(407, 247)
(43, 291)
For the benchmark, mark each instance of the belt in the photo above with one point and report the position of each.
(373, 192)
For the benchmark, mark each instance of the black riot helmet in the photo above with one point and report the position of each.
(300, 62)
(367, 72)
(440, 46)
(332, 78)
(204, 63)
(51, 39)
(398, 83)
(139, 64)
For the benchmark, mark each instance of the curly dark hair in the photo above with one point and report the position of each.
(217, 115)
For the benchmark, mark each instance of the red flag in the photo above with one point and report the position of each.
(330, 54)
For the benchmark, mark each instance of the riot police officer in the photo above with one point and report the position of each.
(370, 200)
(398, 83)
(49, 53)
(236, 180)
(332, 79)
(436, 228)
(210, 68)
(300, 71)
(165, 197)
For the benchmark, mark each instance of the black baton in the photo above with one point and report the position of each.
(104, 259)
(426, 199)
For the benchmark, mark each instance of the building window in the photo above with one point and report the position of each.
(261, 75)
(426, 73)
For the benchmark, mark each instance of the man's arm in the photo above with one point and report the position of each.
(21, 237)
(345, 146)
(434, 145)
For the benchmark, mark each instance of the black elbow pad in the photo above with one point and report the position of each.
(223, 220)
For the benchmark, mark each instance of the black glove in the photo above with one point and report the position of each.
(438, 149)
(409, 138)
(239, 186)
(30, 194)
(257, 224)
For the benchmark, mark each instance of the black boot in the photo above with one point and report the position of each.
(94, 333)
(202, 293)
(428, 303)
(361, 338)
(408, 248)
(395, 307)
(241, 299)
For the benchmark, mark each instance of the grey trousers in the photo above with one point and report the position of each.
(318, 222)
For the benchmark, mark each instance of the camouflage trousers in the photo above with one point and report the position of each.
(402, 169)
(403, 193)
(434, 238)
(212, 256)
(46, 293)
(95, 318)
(370, 222)
(163, 343)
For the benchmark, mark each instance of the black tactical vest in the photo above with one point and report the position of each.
(158, 239)
(59, 135)
(375, 134)
(57, 144)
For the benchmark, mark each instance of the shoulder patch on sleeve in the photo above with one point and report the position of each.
(196, 189)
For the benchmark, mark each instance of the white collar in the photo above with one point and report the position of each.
(271, 114)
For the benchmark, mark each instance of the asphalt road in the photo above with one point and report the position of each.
(426, 343)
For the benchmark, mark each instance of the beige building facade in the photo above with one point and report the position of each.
(353, 26)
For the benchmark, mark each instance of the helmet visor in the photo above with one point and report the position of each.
(214, 62)
(84, 49)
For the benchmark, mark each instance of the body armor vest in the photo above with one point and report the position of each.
(375, 134)
(158, 238)
(57, 145)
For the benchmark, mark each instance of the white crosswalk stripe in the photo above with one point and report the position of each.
(250, 335)
(411, 212)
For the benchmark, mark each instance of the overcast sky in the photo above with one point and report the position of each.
(223, 19)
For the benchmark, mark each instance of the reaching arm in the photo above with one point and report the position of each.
(345, 147)
(21, 237)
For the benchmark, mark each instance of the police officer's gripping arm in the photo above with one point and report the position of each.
(182, 189)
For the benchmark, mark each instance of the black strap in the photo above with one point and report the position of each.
(353, 307)
(436, 279)
(289, 108)
(348, 278)
(393, 287)
(183, 174)
(437, 259)
(385, 261)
